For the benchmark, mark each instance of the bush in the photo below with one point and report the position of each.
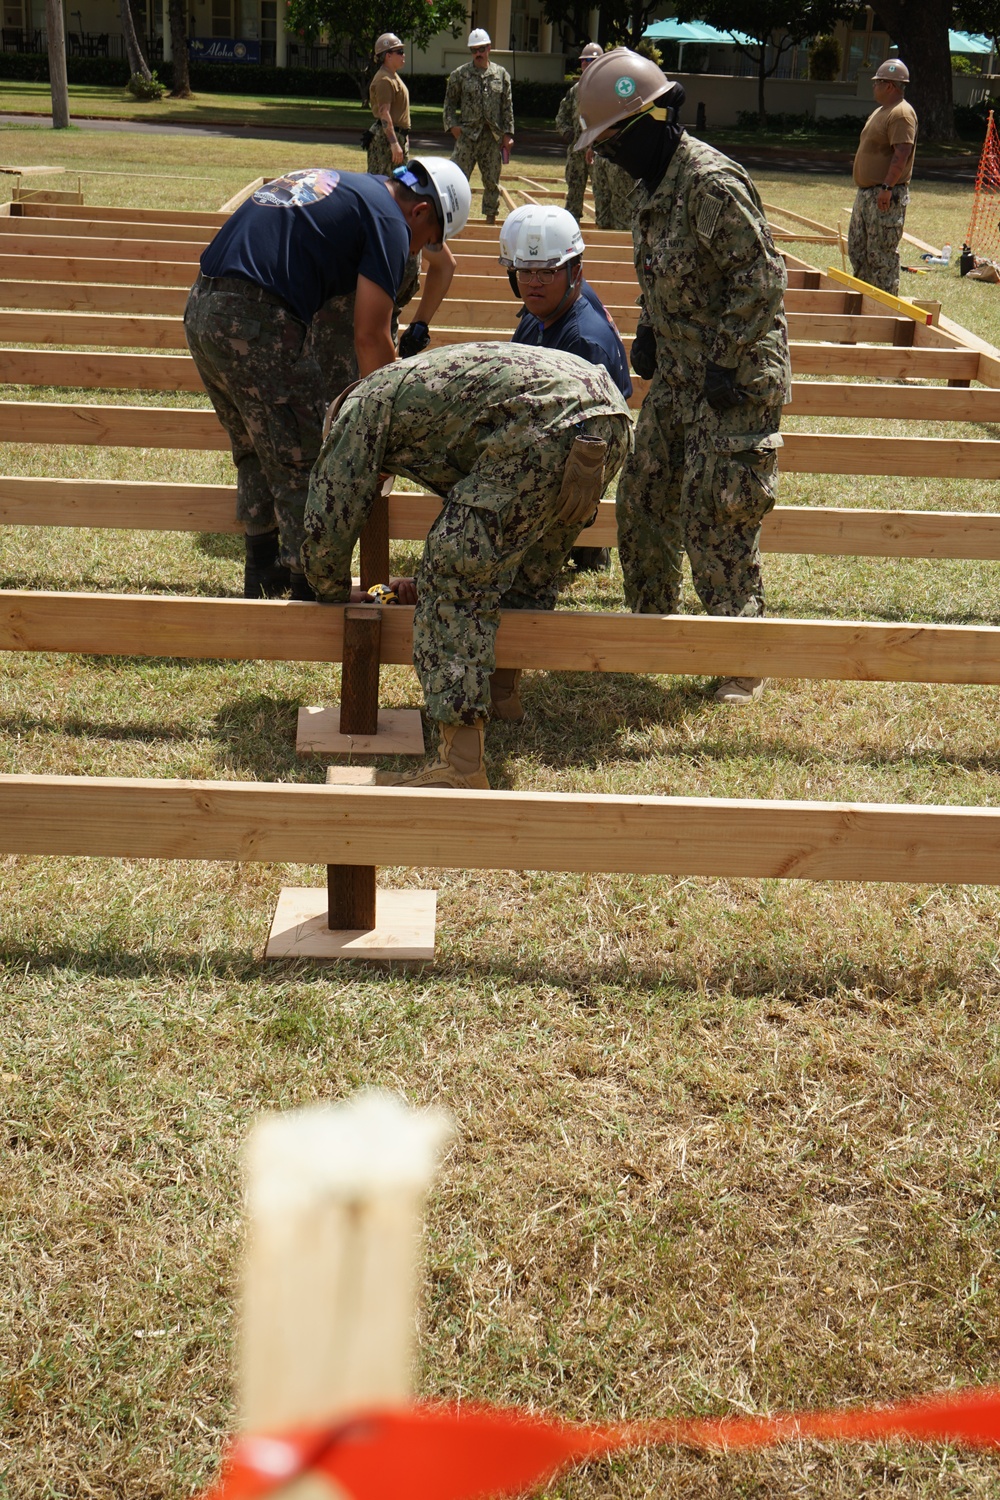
(145, 88)
(825, 58)
(970, 119)
(531, 100)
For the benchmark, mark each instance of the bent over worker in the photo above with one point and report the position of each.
(712, 339)
(519, 443)
(311, 261)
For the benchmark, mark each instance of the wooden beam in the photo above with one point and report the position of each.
(159, 216)
(85, 271)
(98, 228)
(178, 427)
(330, 824)
(883, 363)
(921, 404)
(135, 505)
(564, 641)
(126, 372)
(17, 242)
(63, 296)
(105, 330)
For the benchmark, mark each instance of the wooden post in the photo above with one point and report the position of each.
(350, 894)
(359, 674)
(335, 1196)
(375, 540)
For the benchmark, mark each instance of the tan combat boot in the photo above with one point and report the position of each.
(504, 696)
(458, 763)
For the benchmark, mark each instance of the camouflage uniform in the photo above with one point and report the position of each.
(262, 370)
(873, 238)
(479, 100)
(489, 427)
(612, 194)
(568, 126)
(700, 480)
(379, 151)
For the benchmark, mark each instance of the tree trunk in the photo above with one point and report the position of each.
(177, 12)
(921, 33)
(136, 62)
(56, 34)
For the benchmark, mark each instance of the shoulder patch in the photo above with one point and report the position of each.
(708, 216)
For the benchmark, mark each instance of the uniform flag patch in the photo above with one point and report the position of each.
(708, 216)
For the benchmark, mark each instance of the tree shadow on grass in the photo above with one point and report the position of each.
(220, 544)
(258, 731)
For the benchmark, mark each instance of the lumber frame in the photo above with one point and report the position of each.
(340, 825)
(136, 505)
(560, 641)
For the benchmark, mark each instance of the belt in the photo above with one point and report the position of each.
(251, 290)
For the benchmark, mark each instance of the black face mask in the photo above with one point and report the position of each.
(645, 147)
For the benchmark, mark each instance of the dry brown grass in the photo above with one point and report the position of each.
(723, 1145)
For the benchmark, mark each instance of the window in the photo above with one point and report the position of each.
(222, 18)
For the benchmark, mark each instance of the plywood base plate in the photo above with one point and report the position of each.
(400, 732)
(404, 927)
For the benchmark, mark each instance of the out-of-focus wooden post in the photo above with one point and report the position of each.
(335, 1197)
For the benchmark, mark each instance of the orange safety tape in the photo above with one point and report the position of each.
(441, 1452)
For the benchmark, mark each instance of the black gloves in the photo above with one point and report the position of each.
(643, 356)
(416, 337)
(721, 391)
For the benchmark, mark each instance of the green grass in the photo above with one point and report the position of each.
(723, 1145)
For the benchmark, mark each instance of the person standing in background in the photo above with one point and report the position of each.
(479, 113)
(389, 135)
(578, 164)
(883, 166)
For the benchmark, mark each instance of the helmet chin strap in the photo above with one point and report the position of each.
(572, 284)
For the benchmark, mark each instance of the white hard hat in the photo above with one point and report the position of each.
(538, 234)
(479, 38)
(448, 185)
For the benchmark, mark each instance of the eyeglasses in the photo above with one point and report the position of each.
(537, 273)
(478, 51)
(397, 51)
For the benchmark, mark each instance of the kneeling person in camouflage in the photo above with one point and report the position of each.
(519, 443)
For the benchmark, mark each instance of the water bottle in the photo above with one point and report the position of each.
(938, 260)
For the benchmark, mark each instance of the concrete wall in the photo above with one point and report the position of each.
(724, 97)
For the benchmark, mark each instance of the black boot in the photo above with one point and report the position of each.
(263, 576)
(591, 559)
(301, 589)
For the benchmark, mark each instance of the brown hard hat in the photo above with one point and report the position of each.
(616, 86)
(387, 40)
(592, 50)
(892, 71)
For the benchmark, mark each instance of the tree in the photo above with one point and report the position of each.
(353, 26)
(136, 62)
(921, 35)
(622, 21)
(177, 10)
(778, 24)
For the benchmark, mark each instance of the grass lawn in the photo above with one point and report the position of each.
(723, 1146)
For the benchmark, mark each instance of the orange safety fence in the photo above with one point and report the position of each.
(433, 1451)
(983, 233)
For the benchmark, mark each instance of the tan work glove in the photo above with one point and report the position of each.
(583, 481)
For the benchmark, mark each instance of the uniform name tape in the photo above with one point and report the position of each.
(440, 1452)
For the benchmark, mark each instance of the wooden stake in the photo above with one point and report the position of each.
(359, 677)
(350, 893)
(335, 1196)
(375, 540)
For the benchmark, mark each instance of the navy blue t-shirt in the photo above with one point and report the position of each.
(584, 329)
(310, 235)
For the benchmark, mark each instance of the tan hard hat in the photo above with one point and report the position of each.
(387, 40)
(617, 85)
(592, 50)
(892, 71)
